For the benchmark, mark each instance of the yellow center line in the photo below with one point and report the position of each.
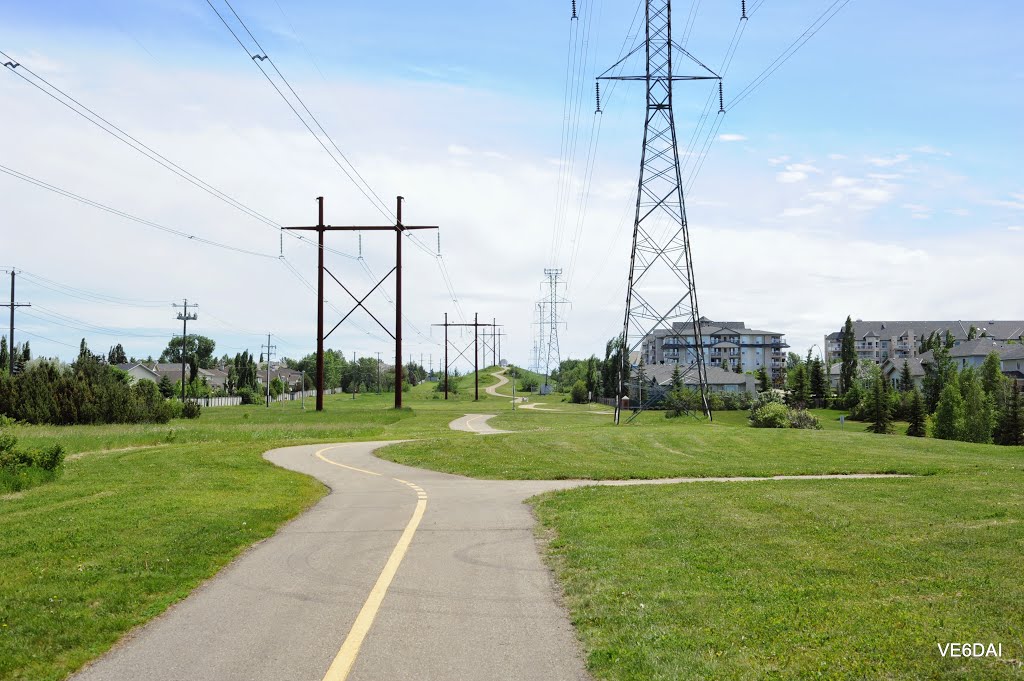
(343, 662)
(469, 423)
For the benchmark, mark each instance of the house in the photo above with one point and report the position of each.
(140, 372)
(216, 378)
(726, 344)
(878, 341)
(892, 370)
(290, 377)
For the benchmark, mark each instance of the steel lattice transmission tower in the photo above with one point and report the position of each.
(551, 320)
(661, 258)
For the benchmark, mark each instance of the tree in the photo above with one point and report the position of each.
(117, 355)
(800, 390)
(906, 380)
(937, 376)
(738, 366)
(877, 407)
(972, 333)
(277, 387)
(949, 414)
(578, 393)
(764, 383)
(819, 381)
(917, 415)
(978, 416)
(5, 356)
(949, 340)
(1011, 420)
(848, 356)
(198, 353)
(725, 364)
(166, 387)
(677, 378)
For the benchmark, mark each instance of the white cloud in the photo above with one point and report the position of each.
(778, 160)
(843, 181)
(796, 172)
(732, 137)
(829, 196)
(837, 157)
(801, 212)
(886, 162)
(928, 149)
(959, 212)
(456, 150)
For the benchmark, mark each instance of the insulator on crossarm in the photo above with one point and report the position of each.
(597, 89)
(360, 235)
(574, 10)
(721, 99)
(744, 7)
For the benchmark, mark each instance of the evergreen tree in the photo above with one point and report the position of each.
(738, 366)
(1011, 420)
(763, 382)
(5, 356)
(725, 364)
(906, 380)
(117, 355)
(819, 382)
(978, 416)
(950, 341)
(878, 409)
(677, 378)
(917, 415)
(937, 376)
(972, 333)
(800, 391)
(949, 415)
(848, 356)
(165, 386)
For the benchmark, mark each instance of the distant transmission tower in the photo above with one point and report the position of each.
(536, 364)
(552, 321)
(661, 259)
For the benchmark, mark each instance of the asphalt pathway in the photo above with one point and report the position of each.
(476, 423)
(399, 573)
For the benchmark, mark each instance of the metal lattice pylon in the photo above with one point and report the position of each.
(660, 260)
(551, 319)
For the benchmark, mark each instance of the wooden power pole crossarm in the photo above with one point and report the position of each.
(10, 338)
(398, 228)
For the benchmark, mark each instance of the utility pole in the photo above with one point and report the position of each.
(378, 373)
(12, 305)
(356, 370)
(185, 318)
(302, 393)
(399, 229)
(476, 351)
(270, 353)
(659, 201)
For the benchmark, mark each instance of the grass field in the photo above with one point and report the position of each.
(744, 580)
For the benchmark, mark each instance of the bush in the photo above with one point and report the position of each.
(191, 410)
(682, 401)
(770, 415)
(801, 418)
(578, 393)
(21, 469)
(250, 396)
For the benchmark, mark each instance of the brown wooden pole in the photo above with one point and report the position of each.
(320, 309)
(398, 306)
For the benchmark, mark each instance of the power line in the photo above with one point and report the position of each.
(89, 296)
(127, 216)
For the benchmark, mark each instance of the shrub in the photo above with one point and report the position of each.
(191, 410)
(48, 458)
(770, 415)
(682, 401)
(250, 396)
(578, 393)
(801, 418)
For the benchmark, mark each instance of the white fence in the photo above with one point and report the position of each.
(236, 401)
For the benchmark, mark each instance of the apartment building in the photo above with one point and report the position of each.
(877, 341)
(725, 344)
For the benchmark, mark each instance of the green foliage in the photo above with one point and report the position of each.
(803, 419)
(916, 415)
(198, 352)
(764, 382)
(277, 387)
(770, 415)
(949, 414)
(677, 378)
(906, 380)
(682, 401)
(578, 393)
(979, 419)
(191, 409)
(937, 376)
(24, 468)
(165, 387)
(1011, 420)
(116, 355)
(799, 387)
(250, 396)
(877, 408)
(5, 356)
(848, 356)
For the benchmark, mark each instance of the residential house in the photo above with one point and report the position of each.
(719, 380)
(878, 341)
(725, 344)
(892, 370)
(140, 372)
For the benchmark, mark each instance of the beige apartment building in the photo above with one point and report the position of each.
(725, 344)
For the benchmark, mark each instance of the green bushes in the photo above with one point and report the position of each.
(85, 392)
(770, 415)
(191, 410)
(250, 396)
(22, 469)
(578, 393)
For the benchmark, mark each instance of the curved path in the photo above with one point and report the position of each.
(502, 380)
(476, 423)
(399, 573)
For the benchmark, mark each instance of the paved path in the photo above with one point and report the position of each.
(502, 380)
(476, 423)
(399, 573)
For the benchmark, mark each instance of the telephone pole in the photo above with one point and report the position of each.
(399, 229)
(10, 338)
(185, 318)
(269, 353)
(657, 260)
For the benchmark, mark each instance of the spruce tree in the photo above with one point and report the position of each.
(819, 382)
(1011, 420)
(725, 364)
(949, 415)
(165, 386)
(800, 390)
(764, 383)
(848, 356)
(906, 380)
(917, 416)
(5, 356)
(878, 409)
(738, 366)
(677, 378)
(940, 373)
(972, 333)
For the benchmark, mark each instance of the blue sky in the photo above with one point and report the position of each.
(883, 155)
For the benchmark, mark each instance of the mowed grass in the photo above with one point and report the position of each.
(858, 579)
(143, 514)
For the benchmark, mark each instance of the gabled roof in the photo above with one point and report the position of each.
(894, 365)
(959, 329)
(661, 374)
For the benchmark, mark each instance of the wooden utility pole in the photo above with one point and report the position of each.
(10, 338)
(476, 351)
(398, 228)
(185, 318)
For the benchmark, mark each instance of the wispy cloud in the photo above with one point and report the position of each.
(796, 212)
(934, 151)
(837, 157)
(778, 160)
(732, 137)
(888, 161)
(458, 150)
(796, 172)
